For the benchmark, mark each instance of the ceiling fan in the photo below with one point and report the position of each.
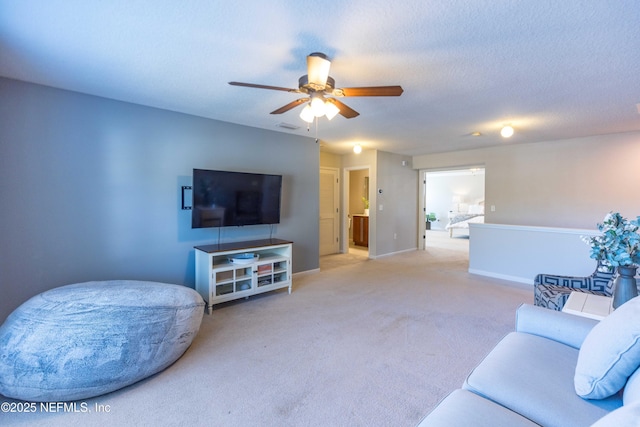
(320, 87)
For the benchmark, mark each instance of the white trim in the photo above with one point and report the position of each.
(305, 273)
(557, 230)
(525, 280)
(393, 253)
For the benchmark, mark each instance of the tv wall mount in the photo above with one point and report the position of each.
(185, 188)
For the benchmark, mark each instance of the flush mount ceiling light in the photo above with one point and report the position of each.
(357, 149)
(507, 131)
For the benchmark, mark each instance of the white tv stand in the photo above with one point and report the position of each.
(221, 278)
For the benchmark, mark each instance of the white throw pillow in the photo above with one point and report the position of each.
(610, 353)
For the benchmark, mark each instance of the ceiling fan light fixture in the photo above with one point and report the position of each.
(318, 67)
(307, 114)
(331, 110)
(507, 131)
(317, 106)
(317, 84)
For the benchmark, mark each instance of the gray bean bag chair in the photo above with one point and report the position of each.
(83, 340)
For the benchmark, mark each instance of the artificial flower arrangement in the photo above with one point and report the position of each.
(366, 202)
(619, 244)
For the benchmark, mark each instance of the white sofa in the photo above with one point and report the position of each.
(556, 369)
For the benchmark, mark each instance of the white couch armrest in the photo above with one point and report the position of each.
(565, 328)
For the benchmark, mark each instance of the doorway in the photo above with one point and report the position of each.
(338, 252)
(329, 211)
(450, 200)
(356, 196)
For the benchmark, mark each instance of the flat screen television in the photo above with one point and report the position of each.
(226, 199)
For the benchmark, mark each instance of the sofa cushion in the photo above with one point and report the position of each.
(627, 416)
(632, 389)
(533, 376)
(87, 339)
(464, 409)
(610, 353)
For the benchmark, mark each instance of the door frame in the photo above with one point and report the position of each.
(422, 199)
(336, 200)
(344, 241)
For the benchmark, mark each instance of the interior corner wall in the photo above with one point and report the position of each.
(91, 189)
(395, 204)
(394, 228)
(565, 183)
(330, 160)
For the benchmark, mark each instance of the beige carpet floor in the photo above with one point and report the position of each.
(360, 343)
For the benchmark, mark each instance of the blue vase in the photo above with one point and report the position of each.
(625, 286)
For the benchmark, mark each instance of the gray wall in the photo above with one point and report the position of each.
(90, 189)
(395, 228)
(566, 183)
(397, 223)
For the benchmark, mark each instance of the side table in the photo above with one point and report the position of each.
(588, 305)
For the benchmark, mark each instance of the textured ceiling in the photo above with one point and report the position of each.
(554, 69)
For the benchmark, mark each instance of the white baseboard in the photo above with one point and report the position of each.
(393, 253)
(525, 280)
(304, 273)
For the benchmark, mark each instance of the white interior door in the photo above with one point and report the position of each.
(329, 211)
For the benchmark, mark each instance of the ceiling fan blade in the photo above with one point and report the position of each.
(285, 89)
(370, 91)
(318, 65)
(345, 110)
(290, 105)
